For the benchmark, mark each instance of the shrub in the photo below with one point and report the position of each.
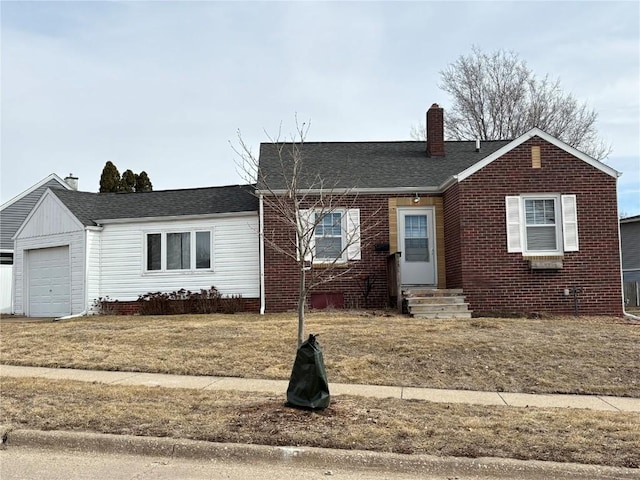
(104, 306)
(184, 301)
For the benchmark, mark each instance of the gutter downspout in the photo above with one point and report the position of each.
(68, 317)
(261, 230)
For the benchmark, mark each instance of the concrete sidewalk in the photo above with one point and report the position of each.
(589, 402)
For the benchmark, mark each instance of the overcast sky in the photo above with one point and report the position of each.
(165, 86)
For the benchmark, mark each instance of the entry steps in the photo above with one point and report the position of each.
(435, 303)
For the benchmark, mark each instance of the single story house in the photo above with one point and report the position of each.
(12, 214)
(630, 247)
(520, 226)
(494, 227)
(75, 247)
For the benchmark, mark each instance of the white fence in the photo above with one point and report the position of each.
(6, 272)
(632, 294)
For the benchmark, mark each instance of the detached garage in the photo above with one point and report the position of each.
(49, 277)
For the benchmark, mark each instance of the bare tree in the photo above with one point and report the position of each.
(311, 206)
(496, 96)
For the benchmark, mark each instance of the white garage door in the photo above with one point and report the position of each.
(49, 282)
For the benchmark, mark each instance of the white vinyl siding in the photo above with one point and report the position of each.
(234, 269)
(545, 224)
(92, 271)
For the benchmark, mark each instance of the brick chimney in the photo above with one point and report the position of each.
(435, 131)
(72, 181)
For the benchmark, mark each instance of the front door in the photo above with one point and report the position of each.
(416, 242)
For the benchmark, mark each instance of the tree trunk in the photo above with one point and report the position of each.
(301, 299)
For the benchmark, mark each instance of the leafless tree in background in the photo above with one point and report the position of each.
(496, 96)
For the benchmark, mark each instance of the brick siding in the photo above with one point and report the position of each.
(282, 274)
(476, 258)
(499, 282)
(251, 305)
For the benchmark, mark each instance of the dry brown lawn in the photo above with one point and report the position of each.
(386, 425)
(556, 355)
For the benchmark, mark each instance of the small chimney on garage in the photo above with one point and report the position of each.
(72, 181)
(435, 131)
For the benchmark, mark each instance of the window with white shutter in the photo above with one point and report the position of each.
(569, 223)
(541, 224)
(514, 241)
(331, 235)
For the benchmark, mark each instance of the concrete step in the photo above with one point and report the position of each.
(439, 308)
(453, 300)
(433, 303)
(442, 315)
(431, 292)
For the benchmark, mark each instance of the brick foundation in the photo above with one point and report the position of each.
(250, 305)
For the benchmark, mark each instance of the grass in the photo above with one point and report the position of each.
(556, 355)
(386, 425)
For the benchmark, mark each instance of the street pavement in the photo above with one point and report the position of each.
(66, 455)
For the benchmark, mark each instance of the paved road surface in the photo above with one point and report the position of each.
(45, 464)
(22, 463)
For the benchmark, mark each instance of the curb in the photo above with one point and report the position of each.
(307, 456)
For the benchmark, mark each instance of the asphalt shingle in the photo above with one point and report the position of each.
(371, 164)
(89, 207)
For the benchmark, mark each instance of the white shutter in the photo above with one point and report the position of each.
(514, 228)
(306, 228)
(569, 223)
(353, 234)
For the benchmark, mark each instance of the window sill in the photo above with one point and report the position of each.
(325, 265)
(177, 272)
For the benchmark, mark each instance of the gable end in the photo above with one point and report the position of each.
(536, 132)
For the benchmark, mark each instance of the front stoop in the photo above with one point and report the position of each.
(433, 303)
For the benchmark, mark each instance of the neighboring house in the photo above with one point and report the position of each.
(12, 214)
(630, 246)
(75, 247)
(518, 225)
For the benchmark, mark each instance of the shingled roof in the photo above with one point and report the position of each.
(90, 207)
(372, 165)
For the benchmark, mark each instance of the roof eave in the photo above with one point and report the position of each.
(50, 177)
(355, 191)
(170, 218)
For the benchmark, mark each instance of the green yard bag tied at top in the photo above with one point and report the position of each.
(308, 386)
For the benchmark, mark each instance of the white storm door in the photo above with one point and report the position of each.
(49, 282)
(417, 246)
